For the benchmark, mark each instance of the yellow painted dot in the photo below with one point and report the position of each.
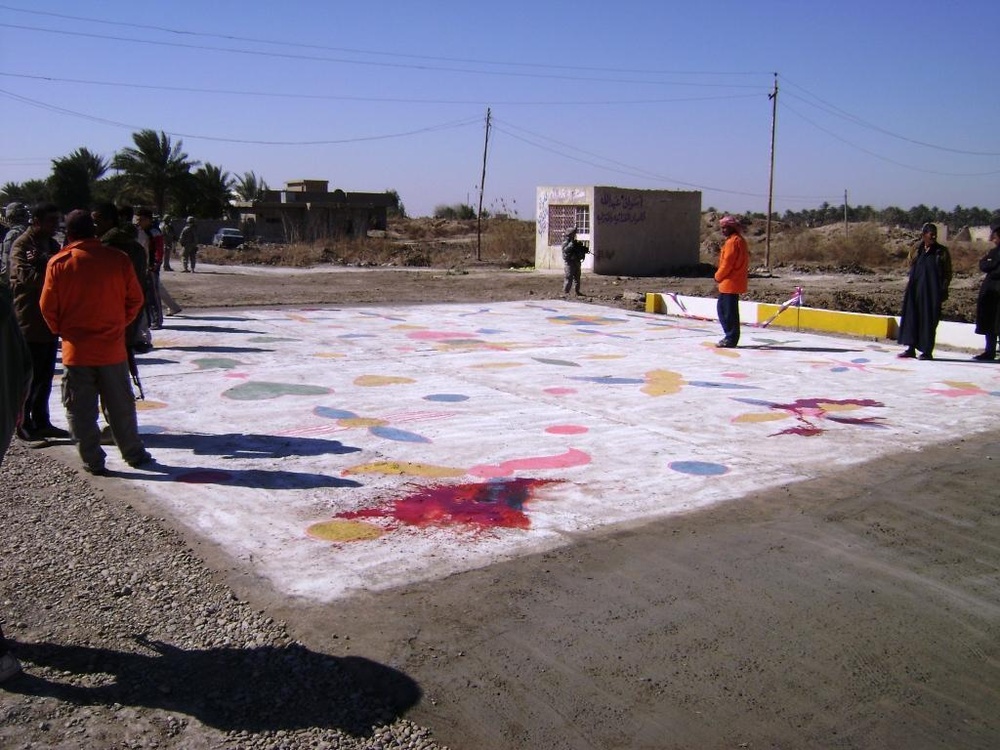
(360, 422)
(340, 530)
(147, 405)
(405, 468)
(377, 380)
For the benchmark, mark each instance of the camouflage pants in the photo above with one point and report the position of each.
(571, 276)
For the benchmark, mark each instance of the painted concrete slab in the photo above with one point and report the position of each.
(337, 450)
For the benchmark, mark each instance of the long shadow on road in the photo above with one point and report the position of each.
(268, 688)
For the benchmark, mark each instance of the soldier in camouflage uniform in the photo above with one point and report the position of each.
(573, 253)
(189, 245)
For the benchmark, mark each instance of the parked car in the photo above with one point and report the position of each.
(228, 238)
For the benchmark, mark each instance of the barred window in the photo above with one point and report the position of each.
(562, 218)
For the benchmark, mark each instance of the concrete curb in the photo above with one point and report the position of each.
(957, 335)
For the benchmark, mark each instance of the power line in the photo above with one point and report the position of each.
(304, 45)
(194, 136)
(76, 34)
(617, 166)
(886, 158)
(837, 112)
(388, 100)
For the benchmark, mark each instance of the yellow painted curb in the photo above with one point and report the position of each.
(832, 321)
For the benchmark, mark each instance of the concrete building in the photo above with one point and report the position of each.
(629, 232)
(307, 210)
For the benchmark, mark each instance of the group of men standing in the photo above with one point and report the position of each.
(89, 293)
(96, 293)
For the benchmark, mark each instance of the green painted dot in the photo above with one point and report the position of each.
(261, 391)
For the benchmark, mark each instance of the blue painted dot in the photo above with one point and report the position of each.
(446, 397)
(699, 468)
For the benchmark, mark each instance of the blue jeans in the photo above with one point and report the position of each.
(729, 316)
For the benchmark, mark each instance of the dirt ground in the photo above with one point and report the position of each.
(855, 610)
(234, 286)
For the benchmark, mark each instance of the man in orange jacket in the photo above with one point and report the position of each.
(731, 276)
(90, 295)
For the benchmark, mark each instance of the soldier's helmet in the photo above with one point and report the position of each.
(16, 212)
(571, 232)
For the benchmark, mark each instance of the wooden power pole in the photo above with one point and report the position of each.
(773, 96)
(482, 185)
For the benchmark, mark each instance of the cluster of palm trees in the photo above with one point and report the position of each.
(153, 172)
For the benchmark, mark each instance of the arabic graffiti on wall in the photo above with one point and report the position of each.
(621, 208)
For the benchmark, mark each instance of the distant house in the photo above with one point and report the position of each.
(307, 210)
(973, 234)
(629, 232)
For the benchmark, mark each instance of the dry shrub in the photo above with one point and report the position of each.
(965, 256)
(863, 249)
(509, 242)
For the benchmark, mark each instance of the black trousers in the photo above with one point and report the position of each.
(43, 365)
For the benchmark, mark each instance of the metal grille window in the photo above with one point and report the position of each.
(562, 218)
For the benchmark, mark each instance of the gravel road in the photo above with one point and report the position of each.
(129, 641)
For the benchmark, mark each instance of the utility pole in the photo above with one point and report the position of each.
(845, 212)
(773, 96)
(482, 185)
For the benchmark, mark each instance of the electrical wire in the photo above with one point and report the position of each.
(219, 139)
(389, 100)
(76, 34)
(304, 45)
(838, 112)
(785, 107)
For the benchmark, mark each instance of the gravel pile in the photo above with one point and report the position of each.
(128, 641)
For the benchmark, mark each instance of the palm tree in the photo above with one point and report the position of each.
(154, 169)
(249, 187)
(75, 177)
(28, 192)
(214, 188)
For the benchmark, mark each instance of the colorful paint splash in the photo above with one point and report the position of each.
(477, 507)
(808, 411)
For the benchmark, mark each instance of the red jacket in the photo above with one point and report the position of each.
(734, 266)
(90, 295)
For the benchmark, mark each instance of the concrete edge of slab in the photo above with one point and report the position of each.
(957, 335)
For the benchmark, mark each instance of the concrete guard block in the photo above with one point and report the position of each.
(831, 321)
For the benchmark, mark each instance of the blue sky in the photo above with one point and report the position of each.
(893, 102)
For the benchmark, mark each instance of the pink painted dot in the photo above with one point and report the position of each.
(558, 391)
(567, 429)
(735, 375)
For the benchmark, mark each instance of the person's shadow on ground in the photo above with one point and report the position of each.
(261, 689)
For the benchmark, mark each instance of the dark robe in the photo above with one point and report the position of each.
(926, 291)
(988, 302)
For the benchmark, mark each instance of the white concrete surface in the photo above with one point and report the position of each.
(334, 450)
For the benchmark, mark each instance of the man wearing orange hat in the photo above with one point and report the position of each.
(731, 276)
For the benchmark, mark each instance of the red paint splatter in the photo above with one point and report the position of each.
(569, 459)
(486, 505)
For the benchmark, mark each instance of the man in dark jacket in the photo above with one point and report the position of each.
(926, 291)
(112, 233)
(28, 258)
(15, 375)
